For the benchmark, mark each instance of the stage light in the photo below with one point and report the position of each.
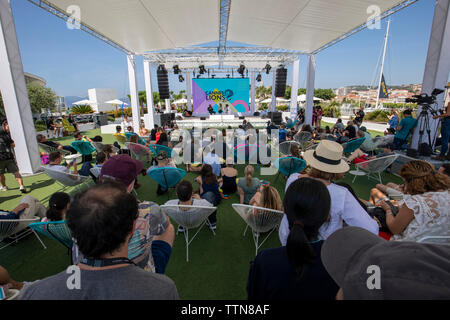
(180, 78)
(176, 69)
(258, 78)
(241, 70)
(267, 67)
(202, 69)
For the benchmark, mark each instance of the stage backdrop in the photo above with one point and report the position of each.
(230, 92)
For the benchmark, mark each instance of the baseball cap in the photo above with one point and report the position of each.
(407, 270)
(121, 168)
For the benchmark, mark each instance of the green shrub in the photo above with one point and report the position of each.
(331, 111)
(39, 125)
(282, 108)
(378, 116)
(82, 109)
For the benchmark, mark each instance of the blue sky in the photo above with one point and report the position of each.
(73, 61)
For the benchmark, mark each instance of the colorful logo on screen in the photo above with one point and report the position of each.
(226, 95)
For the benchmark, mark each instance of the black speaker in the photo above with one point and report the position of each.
(256, 114)
(275, 117)
(280, 82)
(163, 82)
(242, 117)
(202, 118)
(172, 116)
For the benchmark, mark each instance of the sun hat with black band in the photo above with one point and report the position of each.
(327, 157)
(407, 270)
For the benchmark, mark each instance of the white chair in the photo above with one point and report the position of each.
(303, 137)
(286, 147)
(138, 151)
(16, 229)
(13, 294)
(183, 215)
(260, 220)
(48, 149)
(66, 179)
(435, 239)
(99, 147)
(373, 168)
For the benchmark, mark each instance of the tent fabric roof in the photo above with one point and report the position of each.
(141, 26)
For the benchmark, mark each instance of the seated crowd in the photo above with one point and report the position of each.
(324, 227)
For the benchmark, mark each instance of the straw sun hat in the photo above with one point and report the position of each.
(327, 157)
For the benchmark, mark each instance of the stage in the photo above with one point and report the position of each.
(221, 121)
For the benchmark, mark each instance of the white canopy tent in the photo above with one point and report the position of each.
(151, 27)
(302, 98)
(181, 101)
(116, 102)
(83, 102)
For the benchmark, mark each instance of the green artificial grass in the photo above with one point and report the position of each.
(218, 265)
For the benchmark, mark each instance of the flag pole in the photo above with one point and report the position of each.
(382, 63)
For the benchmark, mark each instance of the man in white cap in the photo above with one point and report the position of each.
(327, 165)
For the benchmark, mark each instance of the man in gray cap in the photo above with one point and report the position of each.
(366, 266)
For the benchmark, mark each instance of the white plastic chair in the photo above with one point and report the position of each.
(99, 147)
(285, 147)
(373, 168)
(188, 220)
(138, 151)
(435, 239)
(66, 179)
(17, 229)
(13, 294)
(49, 149)
(260, 220)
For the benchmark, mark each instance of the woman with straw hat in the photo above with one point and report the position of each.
(327, 165)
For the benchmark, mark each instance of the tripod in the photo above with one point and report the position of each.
(424, 125)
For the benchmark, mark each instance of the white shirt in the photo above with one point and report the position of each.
(214, 161)
(58, 167)
(344, 207)
(431, 216)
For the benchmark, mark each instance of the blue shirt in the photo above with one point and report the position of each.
(393, 122)
(407, 124)
(282, 134)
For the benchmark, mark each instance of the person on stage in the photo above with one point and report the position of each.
(211, 110)
(220, 109)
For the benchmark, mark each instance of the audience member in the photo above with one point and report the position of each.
(229, 175)
(423, 211)
(295, 270)
(152, 227)
(248, 186)
(267, 197)
(411, 271)
(393, 119)
(55, 164)
(58, 205)
(209, 190)
(42, 139)
(100, 160)
(327, 165)
(186, 197)
(445, 169)
(28, 208)
(102, 220)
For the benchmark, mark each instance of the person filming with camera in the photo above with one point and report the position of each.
(445, 133)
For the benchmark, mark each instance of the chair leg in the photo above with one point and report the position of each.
(245, 230)
(186, 237)
(37, 236)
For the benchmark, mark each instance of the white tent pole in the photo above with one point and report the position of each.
(132, 77)
(167, 105)
(149, 116)
(310, 78)
(294, 89)
(15, 95)
(382, 63)
(273, 103)
(437, 67)
(253, 94)
(189, 90)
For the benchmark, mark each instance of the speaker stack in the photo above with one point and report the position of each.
(280, 82)
(163, 82)
(275, 117)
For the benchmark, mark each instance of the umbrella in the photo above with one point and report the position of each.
(117, 102)
(83, 102)
(302, 98)
(269, 100)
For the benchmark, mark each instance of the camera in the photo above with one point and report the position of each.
(425, 99)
